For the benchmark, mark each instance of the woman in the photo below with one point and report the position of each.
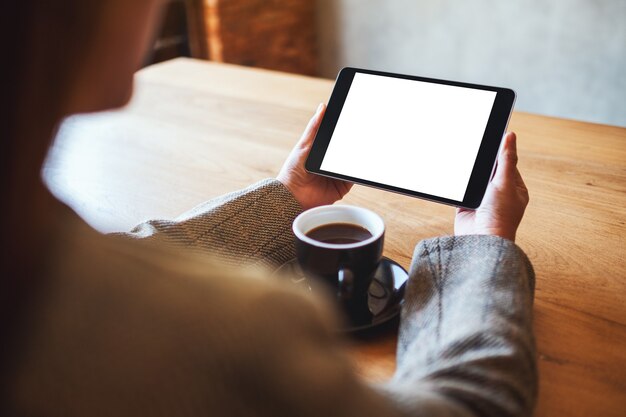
(127, 325)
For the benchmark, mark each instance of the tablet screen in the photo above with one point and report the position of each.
(409, 134)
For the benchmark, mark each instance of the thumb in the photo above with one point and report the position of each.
(507, 159)
(311, 129)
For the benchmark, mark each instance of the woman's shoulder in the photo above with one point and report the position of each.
(116, 309)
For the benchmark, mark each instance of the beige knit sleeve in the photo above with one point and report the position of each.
(249, 226)
(466, 333)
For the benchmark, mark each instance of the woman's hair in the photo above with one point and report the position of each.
(47, 41)
(43, 44)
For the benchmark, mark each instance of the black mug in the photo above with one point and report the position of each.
(346, 268)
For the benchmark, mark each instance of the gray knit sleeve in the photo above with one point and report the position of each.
(466, 340)
(252, 225)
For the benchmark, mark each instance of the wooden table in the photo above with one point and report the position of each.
(195, 130)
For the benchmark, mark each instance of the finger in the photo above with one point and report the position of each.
(342, 187)
(507, 159)
(311, 128)
(521, 187)
(519, 180)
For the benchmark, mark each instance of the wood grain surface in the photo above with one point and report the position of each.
(195, 130)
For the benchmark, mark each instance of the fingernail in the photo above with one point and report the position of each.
(319, 108)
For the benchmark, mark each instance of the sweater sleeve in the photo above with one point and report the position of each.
(465, 346)
(250, 226)
(466, 341)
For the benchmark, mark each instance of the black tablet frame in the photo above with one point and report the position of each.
(485, 159)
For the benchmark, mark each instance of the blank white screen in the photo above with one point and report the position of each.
(409, 134)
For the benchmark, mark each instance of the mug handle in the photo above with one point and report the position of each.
(345, 278)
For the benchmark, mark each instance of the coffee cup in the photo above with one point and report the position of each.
(341, 247)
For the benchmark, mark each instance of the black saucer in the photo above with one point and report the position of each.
(385, 296)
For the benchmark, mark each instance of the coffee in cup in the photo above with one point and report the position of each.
(340, 233)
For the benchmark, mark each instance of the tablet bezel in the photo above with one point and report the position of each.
(487, 153)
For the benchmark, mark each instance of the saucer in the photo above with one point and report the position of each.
(385, 294)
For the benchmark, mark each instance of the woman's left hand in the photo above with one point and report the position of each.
(310, 190)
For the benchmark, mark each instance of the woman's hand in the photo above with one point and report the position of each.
(506, 198)
(310, 190)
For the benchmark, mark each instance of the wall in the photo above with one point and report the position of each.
(564, 58)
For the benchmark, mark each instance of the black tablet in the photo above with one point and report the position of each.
(423, 137)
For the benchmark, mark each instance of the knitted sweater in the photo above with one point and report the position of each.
(165, 321)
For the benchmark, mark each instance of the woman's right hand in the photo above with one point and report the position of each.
(504, 203)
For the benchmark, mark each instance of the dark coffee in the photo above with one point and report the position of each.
(339, 233)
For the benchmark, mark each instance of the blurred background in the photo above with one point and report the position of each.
(564, 58)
